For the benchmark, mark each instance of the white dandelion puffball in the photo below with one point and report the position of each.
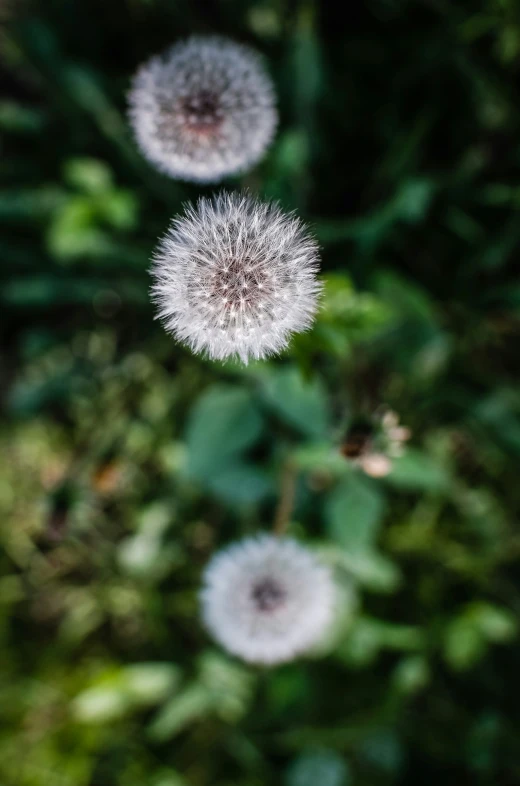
(235, 277)
(267, 600)
(204, 109)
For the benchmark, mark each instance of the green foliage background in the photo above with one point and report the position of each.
(126, 461)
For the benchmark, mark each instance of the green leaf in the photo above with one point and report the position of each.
(413, 199)
(353, 513)
(224, 423)
(360, 313)
(145, 556)
(372, 570)
(495, 623)
(231, 685)
(148, 683)
(241, 484)
(369, 635)
(407, 297)
(320, 457)
(119, 691)
(118, 208)
(194, 702)
(299, 402)
(362, 644)
(382, 751)
(498, 413)
(101, 705)
(467, 635)
(464, 644)
(74, 232)
(412, 674)
(417, 471)
(168, 777)
(319, 768)
(88, 175)
(20, 118)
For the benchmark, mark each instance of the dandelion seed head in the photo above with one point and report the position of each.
(267, 599)
(220, 269)
(204, 109)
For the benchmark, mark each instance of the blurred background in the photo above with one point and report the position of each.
(391, 431)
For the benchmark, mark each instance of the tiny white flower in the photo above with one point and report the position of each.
(204, 109)
(373, 444)
(267, 599)
(236, 277)
(377, 465)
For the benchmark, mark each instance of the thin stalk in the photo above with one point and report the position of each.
(285, 506)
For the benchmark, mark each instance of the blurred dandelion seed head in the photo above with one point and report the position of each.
(267, 600)
(204, 109)
(236, 277)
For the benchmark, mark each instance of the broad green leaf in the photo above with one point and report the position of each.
(300, 402)
(241, 484)
(223, 423)
(321, 457)
(353, 513)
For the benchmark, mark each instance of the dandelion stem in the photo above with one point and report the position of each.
(286, 502)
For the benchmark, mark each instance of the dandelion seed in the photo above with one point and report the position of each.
(204, 109)
(267, 600)
(218, 247)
